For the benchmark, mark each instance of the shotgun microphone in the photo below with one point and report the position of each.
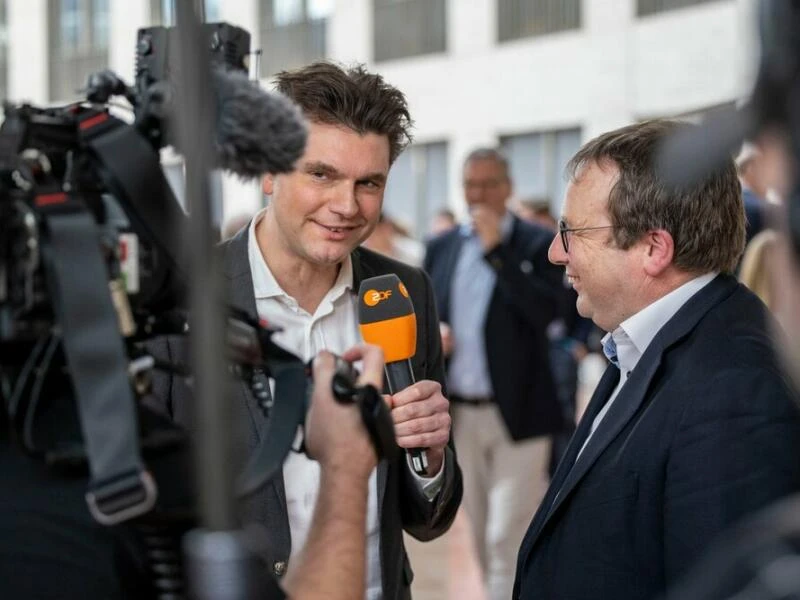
(386, 319)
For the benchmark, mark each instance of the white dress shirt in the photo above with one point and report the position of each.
(332, 327)
(634, 335)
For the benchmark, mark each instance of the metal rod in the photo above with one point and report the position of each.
(213, 411)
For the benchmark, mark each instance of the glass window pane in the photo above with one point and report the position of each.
(523, 18)
(537, 163)
(100, 24)
(408, 28)
(436, 183)
(167, 13)
(290, 36)
(213, 11)
(320, 9)
(286, 12)
(649, 7)
(70, 24)
(398, 198)
(527, 158)
(567, 143)
(417, 186)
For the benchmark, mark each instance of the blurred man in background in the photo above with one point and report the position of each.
(498, 293)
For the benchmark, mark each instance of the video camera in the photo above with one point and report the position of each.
(90, 267)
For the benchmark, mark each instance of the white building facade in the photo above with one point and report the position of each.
(536, 77)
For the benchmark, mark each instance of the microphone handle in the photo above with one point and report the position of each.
(399, 376)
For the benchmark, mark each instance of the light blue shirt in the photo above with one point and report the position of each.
(470, 295)
(634, 335)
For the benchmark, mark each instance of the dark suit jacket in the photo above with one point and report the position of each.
(704, 431)
(401, 504)
(523, 304)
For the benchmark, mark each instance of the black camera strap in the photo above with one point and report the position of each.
(286, 414)
(120, 487)
(133, 172)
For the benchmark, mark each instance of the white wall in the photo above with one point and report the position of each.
(615, 69)
(27, 51)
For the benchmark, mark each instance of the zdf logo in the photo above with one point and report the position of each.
(374, 297)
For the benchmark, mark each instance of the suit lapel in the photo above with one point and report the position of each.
(601, 394)
(452, 250)
(625, 406)
(628, 402)
(242, 296)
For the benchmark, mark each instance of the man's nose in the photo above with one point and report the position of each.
(344, 202)
(556, 254)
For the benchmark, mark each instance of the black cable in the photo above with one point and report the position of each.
(36, 392)
(16, 394)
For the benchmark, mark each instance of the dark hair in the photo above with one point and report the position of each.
(494, 154)
(362, 101)
(706, 220)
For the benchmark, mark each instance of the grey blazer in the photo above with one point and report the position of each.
(401, 504)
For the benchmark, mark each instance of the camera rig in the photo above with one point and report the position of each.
(91, 266)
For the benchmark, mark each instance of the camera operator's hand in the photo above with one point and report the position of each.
(332, 564)
(335, 434)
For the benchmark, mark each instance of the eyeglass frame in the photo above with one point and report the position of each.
(563, 230)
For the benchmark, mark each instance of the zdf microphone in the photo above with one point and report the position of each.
(386, 319)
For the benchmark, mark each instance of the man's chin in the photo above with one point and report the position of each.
(328, 256)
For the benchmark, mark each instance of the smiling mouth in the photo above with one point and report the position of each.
(338, 231)
(337, 227)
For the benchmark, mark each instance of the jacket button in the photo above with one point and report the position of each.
(279, 567)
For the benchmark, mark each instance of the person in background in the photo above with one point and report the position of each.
(755, 188)
(444, 220)
(569, 335)
(390, 239)
(498, 294)
(757, 265)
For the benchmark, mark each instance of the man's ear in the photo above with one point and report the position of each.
(659, 251)
(267, 184)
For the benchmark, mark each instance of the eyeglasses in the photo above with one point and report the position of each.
(563, 230)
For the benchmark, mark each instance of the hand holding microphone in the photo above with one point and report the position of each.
(419, 410)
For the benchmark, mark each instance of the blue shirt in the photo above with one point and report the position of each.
(470, 295)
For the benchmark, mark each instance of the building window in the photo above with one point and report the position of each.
(405, 28)
(78, 44)
(162, 12)
(651, 7)
(293, 33)
(417, 188)
(526, 18)
(537, 163)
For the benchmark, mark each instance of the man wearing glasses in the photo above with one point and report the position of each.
(692, 425)
(497, 293)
